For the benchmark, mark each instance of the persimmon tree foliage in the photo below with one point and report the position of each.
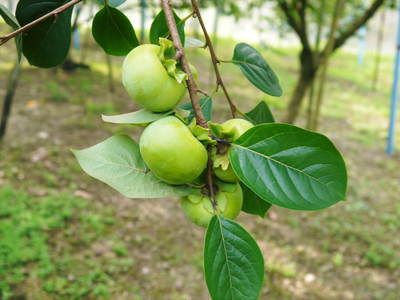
(245, 164)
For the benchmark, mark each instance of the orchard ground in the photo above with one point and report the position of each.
(64, 235)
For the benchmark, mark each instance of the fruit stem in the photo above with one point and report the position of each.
(214, 59)
(221, 141)
(191, 84)
(210, 182)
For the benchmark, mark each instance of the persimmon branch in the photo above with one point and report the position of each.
(191, 84)
(210, 182)
(214, 58)
(28, 26)
(193, 90)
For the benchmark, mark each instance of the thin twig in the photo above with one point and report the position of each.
(181, 21)
(210, 182)
(214, 58)
(193, 90)
(203, 92)
(191, 84)
(28, 26)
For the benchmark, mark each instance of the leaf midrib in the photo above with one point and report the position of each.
(115, 23)
(226, 257)
(115, 164)
(285, 165)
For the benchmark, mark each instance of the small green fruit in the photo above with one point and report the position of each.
(227, 175)
(231, 130)
(171, 151)
(237, 127)
(198, 208)
(147, 82)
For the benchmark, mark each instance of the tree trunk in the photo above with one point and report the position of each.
(307, 74)
(339, 7)
(8, 99)
(320, 24)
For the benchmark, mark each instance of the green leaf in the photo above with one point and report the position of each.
(113, 3)
(193, 43)
(260, 114)
(159, 28)
(118, 163)
(12, 21)
(252, 204)
(256, 69)
(142, 116)
(289, 166)
(8, 17)
(233, 263)
(46, 44)
(113, 31)
(205, 105)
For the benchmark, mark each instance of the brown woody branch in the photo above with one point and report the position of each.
(303, 21)
(369, 13)
(191, 84)
(28, 26)
(210, 182)
(214, 58)
(193, 90)
(299, 27)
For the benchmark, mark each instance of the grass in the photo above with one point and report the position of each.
(29, 228)
(64, 235)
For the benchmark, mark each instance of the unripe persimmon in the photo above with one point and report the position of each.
(199, 209)
(146, 80)
(171, 151)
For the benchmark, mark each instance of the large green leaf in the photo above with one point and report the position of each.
(159, 28)
(252, 204)
(142, 116)
(12, 21)
(205, 105)
(289, 166)
(118, 163)
(256, 69)
(260, 114)
(46, 44)
(113, 31)
(233, 263)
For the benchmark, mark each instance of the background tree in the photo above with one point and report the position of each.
(301, 16)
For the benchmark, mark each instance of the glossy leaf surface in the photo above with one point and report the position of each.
(113, 31)
(46, 44)
(233, 263)
(289, 166)
(256, 69)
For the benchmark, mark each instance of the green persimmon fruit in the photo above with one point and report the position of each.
(171, 151)
(227, 175)
(237, 127)
(198, 208)
(147, 81)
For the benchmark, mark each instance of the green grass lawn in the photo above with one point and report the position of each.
(64, 235)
